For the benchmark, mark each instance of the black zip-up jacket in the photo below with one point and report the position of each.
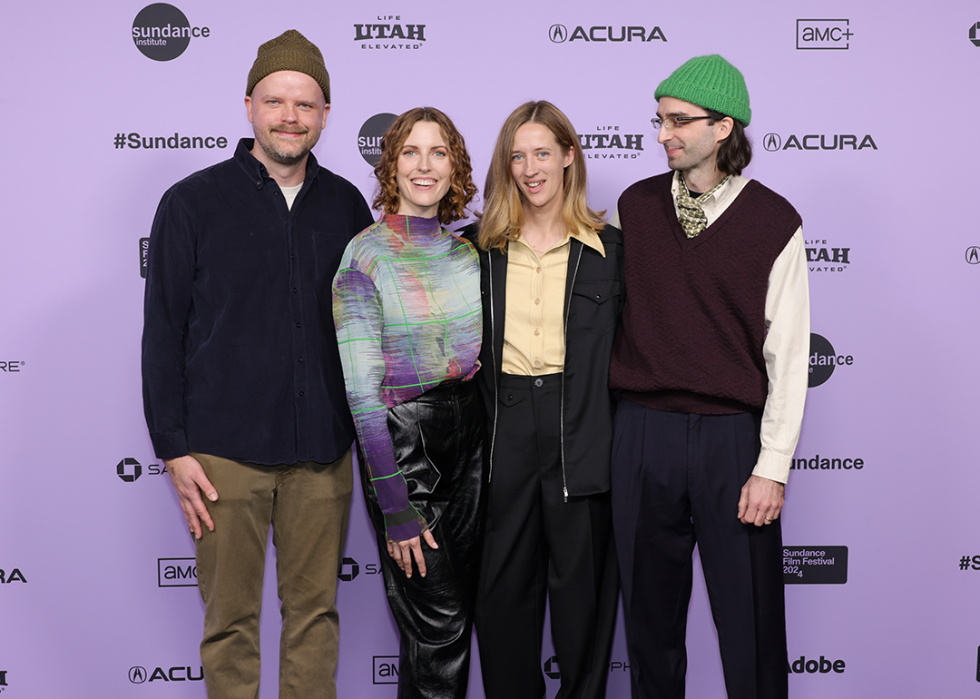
(594, 296)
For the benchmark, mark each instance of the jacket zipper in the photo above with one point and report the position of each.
(493, 356)
(561, 425)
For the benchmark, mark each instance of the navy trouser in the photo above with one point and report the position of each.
(677, 478)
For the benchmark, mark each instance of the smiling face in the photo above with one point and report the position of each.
(537, 163)
(288, 114)
(424, 170)
(691, 147)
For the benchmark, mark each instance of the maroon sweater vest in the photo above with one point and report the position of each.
(694, 320)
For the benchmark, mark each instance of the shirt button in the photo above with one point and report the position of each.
(297, 325)
(538, 383)
(300, 360)
(537, 332)
(537, 364)
(295, 290)
(302, 393)
(539, 270)
(537, 301)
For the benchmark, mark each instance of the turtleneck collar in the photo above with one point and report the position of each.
(412, 226)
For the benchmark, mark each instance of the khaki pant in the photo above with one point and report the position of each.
(307, 505)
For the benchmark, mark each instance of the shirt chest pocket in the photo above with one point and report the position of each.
(594, 307)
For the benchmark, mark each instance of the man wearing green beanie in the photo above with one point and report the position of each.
(243, 388)
(711, 369)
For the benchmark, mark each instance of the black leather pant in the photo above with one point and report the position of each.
(438, 441)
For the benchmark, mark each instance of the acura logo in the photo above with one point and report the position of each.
(973, 255)
(137, 674)
(772, 141)
(558, 33)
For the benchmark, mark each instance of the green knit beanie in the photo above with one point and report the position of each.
(290, 51)
(710, 82)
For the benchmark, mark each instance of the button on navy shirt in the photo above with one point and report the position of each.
(240, 354)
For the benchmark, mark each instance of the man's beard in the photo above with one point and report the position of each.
(276, 154)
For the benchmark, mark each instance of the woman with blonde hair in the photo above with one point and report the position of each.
(552, 291)
(407, 310)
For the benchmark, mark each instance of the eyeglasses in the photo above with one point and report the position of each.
(674, 122)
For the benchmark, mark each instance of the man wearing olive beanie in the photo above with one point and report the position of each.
(243, 389)
(711, 370)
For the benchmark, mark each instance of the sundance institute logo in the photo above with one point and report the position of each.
(823, 360)
(162, 32)
(369, 137)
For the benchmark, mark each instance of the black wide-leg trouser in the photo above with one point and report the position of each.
(438, 441)
(537, 543)
(677, 478)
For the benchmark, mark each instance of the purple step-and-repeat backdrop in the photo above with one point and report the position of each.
(864, 118)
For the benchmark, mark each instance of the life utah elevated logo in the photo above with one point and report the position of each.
(390, 32)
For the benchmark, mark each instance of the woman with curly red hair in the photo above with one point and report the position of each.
(409, 324)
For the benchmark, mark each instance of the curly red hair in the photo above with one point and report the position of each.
(452, 207)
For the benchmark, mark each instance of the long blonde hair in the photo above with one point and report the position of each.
(503, 217)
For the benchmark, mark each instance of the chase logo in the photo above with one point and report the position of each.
(823, 34)
(129, 470)
(348, 569)
(551, 668)
(975, 39)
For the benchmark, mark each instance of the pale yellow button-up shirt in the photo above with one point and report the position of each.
(534, 329)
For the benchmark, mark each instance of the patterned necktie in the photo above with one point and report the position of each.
(690, 214)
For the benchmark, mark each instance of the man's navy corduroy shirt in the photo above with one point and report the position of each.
(240, 355)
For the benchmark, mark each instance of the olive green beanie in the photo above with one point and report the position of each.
(290, 51)
(710, 82)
